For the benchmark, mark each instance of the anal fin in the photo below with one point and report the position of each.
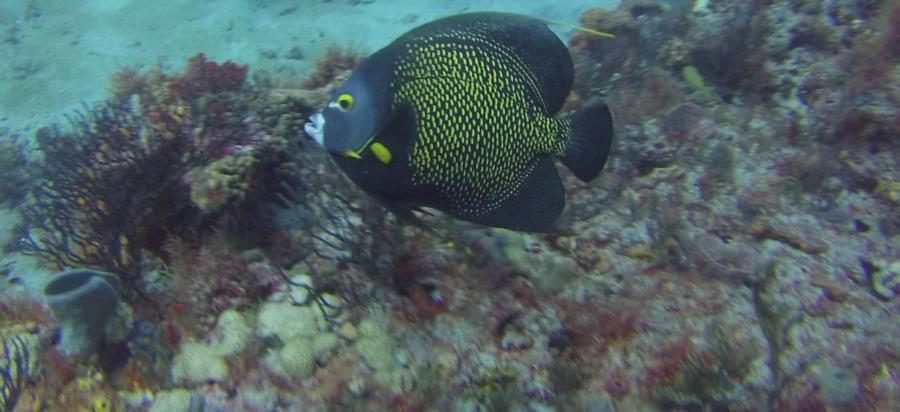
(535, 207)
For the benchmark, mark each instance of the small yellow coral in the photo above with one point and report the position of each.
(493, 381)
(641, 251)
(222, 181)
(890, 190)
(675, 52)
(886, 280)
(692, 76)
(101, 403)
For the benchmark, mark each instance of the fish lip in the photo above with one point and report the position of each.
(315, 128)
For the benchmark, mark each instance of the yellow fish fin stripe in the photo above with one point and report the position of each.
(577, 27)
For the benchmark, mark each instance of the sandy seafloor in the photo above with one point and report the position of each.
(56, 54)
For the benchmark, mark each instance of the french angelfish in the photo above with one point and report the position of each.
(458, 115)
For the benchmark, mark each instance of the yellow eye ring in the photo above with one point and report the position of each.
(345, 102)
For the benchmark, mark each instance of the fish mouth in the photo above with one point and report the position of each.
(315, 128)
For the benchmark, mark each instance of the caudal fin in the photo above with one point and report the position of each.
(590, 140)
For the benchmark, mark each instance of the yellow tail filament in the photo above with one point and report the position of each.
(576, 27)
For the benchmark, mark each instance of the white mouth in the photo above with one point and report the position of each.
(315, 128)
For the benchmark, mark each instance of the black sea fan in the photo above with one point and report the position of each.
(98, 186)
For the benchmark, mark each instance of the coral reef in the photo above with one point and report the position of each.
(187, 148)
(703, 378)
(202, 279)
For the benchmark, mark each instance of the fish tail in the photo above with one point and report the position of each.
(588, 144)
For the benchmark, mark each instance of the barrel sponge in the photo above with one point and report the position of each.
(82, 301)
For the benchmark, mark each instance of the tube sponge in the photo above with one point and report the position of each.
(82, 301)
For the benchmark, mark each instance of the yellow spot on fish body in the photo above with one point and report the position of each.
(381, 152)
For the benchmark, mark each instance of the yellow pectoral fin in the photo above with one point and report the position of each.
(381, 152)
(352, 154)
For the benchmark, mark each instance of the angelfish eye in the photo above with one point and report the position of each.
(345, 102)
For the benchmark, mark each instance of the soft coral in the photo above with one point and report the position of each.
(203, 76)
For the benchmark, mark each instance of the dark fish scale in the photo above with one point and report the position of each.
(464, 82)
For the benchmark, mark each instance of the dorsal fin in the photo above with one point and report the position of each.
(528, 38)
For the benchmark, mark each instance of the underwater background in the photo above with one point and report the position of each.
(172, 241)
